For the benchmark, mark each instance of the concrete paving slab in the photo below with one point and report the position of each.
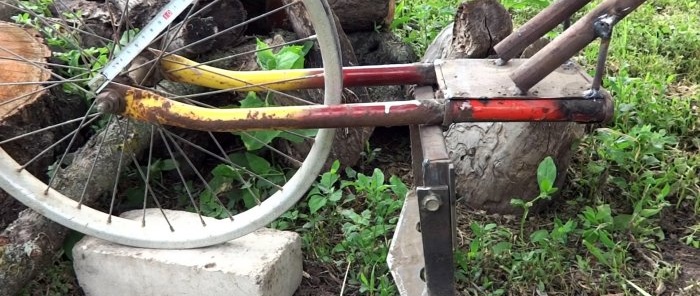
(266, 263)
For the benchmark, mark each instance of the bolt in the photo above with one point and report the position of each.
(431, 203)
(109, 101)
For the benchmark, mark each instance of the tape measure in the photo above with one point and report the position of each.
(149, 33)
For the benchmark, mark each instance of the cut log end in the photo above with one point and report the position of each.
(22, 56)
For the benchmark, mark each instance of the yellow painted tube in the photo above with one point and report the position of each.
(180, 69)
(148, 106)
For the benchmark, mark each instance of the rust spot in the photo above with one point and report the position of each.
(253, 114)
(4, 240)
(36, 252)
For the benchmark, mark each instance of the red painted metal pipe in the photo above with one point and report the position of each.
(582, 110)
(418, 73)
(397, 74)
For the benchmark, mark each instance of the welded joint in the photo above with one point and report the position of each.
(603, 26)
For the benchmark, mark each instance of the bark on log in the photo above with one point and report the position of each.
(348, 142)
(479, 25)
(7, 12)
(363, 15)
(100, 19)
(381, 48)
(495, 162)
(353, 15)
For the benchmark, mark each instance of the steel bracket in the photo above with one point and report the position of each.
(421, 256)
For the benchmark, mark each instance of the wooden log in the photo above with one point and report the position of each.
(47, 108)
(30, 243)
(479, 25)
(353, 15)
(212, 17)
(496, 162)
(363, 15)
(7, 12)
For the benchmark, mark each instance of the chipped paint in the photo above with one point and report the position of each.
(388, 105)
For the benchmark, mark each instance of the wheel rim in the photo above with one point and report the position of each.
(52, 204)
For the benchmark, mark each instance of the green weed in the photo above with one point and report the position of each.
(349, 220)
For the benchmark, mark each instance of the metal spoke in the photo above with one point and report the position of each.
(182, 178)
(225, 160)
(70, 144)
(228, 57)
(35, 64)
(42, 82)
(237, 26)
(44, 63)
(169, 32)
(262, 85)
(119, 169)
(30, 93)
(148, 178)
(70, 135)
(273, 149)
(199, 175)
(150, 191)
(46, 128)
(223, 152)
(94, 162)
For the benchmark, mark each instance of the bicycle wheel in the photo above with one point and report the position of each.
(223, 179)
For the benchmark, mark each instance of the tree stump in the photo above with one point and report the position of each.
(496, 162)
(16, 117)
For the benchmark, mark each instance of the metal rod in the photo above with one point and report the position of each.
(569, 43)
(575, 109)
(417, 73)
(600, 66)
(543, 22)
(603, 29)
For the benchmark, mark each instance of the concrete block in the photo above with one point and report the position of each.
(266, 262)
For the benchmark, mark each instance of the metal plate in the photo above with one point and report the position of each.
(405, 258)
(477, 78)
